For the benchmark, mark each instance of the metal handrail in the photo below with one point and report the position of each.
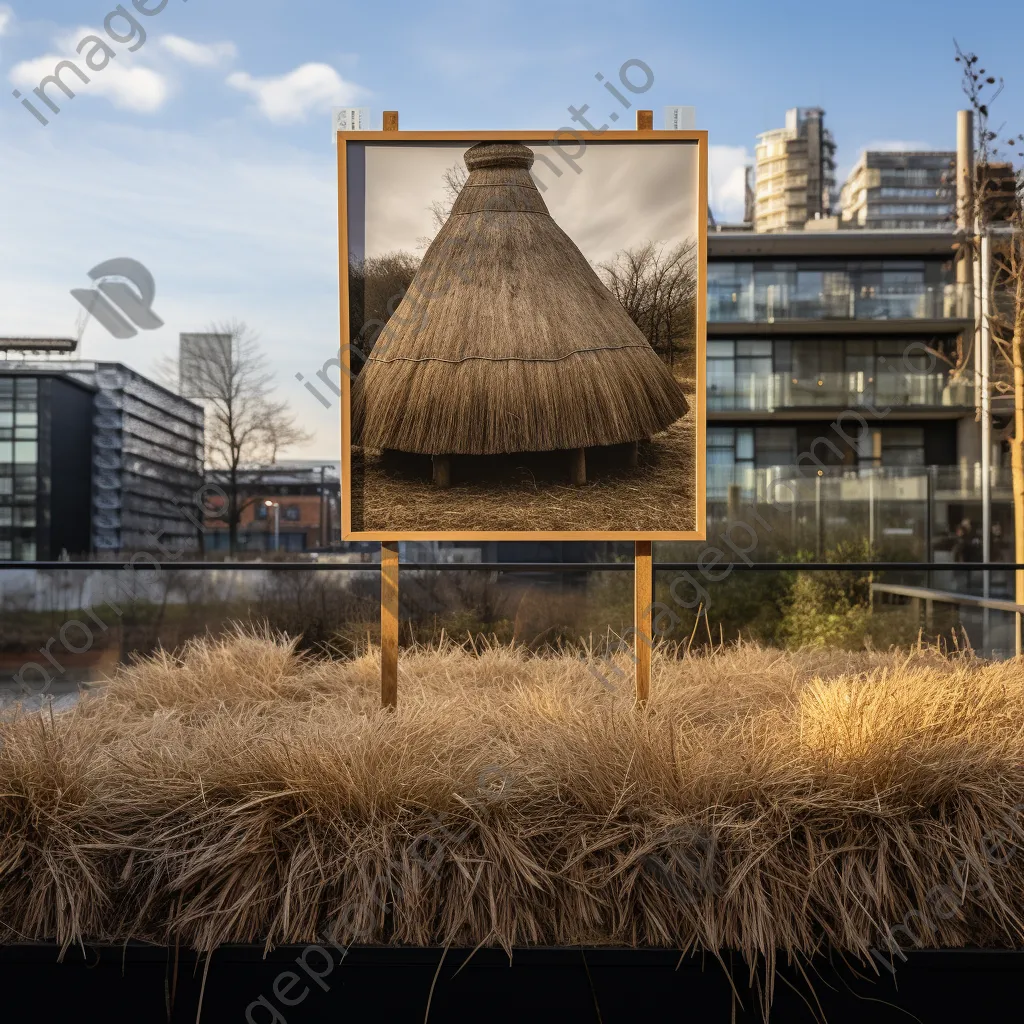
(945, 597)
(626, 566)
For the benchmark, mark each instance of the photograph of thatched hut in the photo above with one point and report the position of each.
(514, 380)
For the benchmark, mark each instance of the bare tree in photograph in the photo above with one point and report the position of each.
(246, 426)
(377, 285)
(998, 215)
(453, 178)
(657, 287)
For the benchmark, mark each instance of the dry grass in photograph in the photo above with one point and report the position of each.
(763, 801)
(533, 491)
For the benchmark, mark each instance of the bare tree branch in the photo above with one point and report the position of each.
(246, 428)
(658, 290)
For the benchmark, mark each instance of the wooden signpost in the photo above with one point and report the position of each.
(389, 578)
(643, 570)
(643, 565)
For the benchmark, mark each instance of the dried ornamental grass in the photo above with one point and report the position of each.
(763, 801)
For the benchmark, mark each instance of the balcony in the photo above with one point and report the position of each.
(731, 301)
(776, 391)
(898, 484)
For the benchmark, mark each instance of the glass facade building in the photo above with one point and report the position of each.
(913, 190)
(809, 326)
(95, 459)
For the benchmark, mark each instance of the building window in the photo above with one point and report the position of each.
(908, 193)
(776, 290)
(764, 375)
(19, 432)
(722, 445)
(775, 446)
(937, 209)
(902, 446)
(747, 447)
(292, 513)
(731, 291)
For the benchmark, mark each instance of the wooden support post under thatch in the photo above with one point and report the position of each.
(442, 465)
(391, 120)
(643, 630)
(578, 466)
(389, 624)
(645, 120)
(633, 454)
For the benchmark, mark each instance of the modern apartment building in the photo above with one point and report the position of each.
(805, 327)
(94, 459)
(901, 191)
(796, 172)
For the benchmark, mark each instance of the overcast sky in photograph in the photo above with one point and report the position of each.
(205, 151)
(625, 194)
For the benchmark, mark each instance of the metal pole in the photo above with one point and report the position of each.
(324, 539)
(818, 544)
(871, 510)
(986, 424)
(986, 399)
(929, 524)
(277, 526)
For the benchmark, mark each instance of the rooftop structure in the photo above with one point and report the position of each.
(892, 191)
(795, 172)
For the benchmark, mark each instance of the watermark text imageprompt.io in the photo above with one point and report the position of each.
(569, 145)
(741, 538)
(121, 26)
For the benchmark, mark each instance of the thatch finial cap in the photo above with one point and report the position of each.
(499, 154)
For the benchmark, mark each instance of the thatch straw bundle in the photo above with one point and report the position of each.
(786, 802)
(507, 341)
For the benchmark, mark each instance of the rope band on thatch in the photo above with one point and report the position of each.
(503, 359)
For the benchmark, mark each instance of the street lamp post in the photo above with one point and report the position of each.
(277, 522)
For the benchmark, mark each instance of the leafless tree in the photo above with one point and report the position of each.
(998, 209)
(454, 178)
(452, 181)
(658, 289)
(376, 287)
(246, 426)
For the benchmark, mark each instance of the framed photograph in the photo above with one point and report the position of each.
(523, 335)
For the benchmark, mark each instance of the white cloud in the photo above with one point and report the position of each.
(292, 96)
(726, 181)
(204, 55)
(6, 17)
(124, 81)
(129, 88)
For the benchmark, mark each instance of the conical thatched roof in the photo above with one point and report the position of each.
(507, 341)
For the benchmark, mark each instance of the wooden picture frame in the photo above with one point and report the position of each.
(639, 137)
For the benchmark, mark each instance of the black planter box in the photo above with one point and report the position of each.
(306, 984)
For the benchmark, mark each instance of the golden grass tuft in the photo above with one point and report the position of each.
(239, 792)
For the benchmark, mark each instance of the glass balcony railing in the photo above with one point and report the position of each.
(768, 392)
(730, 301)
(786, 484)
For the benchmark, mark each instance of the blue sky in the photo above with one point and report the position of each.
(206, 153)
